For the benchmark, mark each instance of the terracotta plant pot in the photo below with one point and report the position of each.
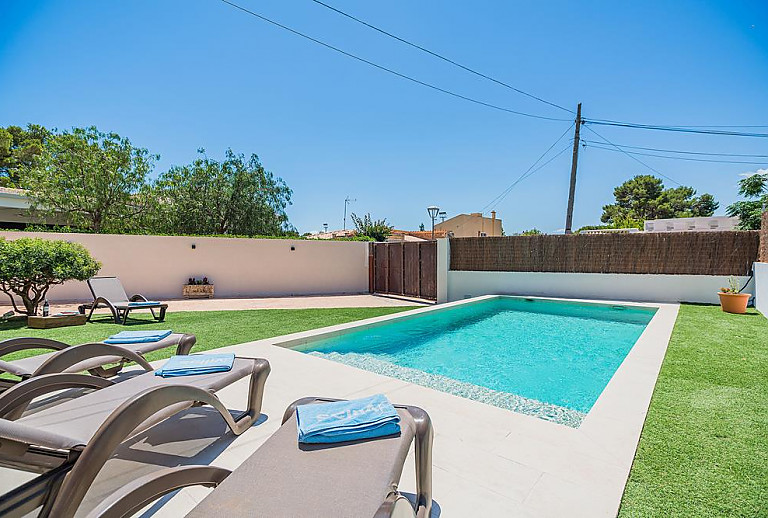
(734, 302)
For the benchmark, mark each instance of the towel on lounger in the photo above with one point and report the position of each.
(144, 303)
(138, 337)
(342, 421)
(196, 364)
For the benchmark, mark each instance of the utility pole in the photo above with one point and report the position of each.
(574, 165)
(347, 201)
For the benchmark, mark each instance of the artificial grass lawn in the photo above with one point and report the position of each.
(704, 446)
(213, 329)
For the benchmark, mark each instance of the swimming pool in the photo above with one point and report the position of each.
(546, 358)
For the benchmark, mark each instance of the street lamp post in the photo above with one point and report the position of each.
(432, 210)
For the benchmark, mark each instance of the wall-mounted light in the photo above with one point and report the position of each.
(194, 246)
(293, 248)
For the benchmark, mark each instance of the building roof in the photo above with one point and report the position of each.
(422, 234)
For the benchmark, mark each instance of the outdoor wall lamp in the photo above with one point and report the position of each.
(194, 246)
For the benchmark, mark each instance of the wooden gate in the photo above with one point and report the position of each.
(408, 269)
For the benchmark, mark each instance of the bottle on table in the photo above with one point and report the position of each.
(46, 308)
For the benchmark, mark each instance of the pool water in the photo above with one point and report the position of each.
(543, 357)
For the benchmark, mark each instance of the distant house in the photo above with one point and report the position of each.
(472, 225)
(692, 224)
(332, 234)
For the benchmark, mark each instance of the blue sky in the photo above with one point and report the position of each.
(174, 76)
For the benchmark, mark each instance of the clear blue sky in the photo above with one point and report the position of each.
(174, 76)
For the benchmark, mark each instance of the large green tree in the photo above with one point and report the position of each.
(750, 211)
(91, 180)
(645, 197)
(236, 196)
(19, 149)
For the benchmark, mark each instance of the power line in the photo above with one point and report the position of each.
(389, 70)
(680, 129)
(634, 157)
(528, 172)
(746, 155)
(689, 159)
(439, 56)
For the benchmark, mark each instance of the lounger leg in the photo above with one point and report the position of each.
(152, 310)
(125, 316)
(162, 314)
(423, 447)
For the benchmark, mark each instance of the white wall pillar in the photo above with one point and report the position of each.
(761, 287)
(443, 265)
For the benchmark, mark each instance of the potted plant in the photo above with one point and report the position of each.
(731, 298)
(197, 289)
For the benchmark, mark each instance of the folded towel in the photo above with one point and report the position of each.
(196, 364)
(144, 303)
(352, 420)
(137, 337)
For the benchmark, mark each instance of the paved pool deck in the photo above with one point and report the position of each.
(487, 461)
(235, 304)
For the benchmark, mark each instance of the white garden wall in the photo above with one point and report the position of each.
(158, 266)
(631, 287)
(761, 288)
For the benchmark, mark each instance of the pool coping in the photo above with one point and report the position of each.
(609, 433)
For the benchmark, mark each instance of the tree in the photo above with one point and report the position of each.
(365, 226)
(644, 197)
(30, 266)
(531, 232)
(19, 149)
(750, 211)
(91, 180)
(236, 196)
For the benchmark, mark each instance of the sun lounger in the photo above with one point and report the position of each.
(282, 478)
(71, 442)
(93, 359)
(109, 292)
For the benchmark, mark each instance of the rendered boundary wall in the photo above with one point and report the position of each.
(158, 266)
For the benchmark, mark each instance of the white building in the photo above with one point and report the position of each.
(692, 224)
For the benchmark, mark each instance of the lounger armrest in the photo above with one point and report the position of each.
(15, 400)
(13, 345)
(424, 436)
(101, 301)
(186, 342)
(138, 298)
(71, 356)
(142, 491)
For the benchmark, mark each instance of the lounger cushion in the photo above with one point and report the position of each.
(28, 366)
(282, 480)
(80, 418)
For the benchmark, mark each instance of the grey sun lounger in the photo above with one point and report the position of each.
(109, 292)
(71, 442)
(281, 479)
(94, 358)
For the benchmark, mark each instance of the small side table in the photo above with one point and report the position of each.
(51, 321)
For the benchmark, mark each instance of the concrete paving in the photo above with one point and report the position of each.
(320, 301)
(487, 461)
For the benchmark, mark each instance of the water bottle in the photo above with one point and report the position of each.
(46, 308)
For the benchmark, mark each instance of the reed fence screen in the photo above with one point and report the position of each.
(691, 253)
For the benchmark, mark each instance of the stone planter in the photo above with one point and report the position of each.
(197, 291)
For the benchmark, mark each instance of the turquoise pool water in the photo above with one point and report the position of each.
(543, 357)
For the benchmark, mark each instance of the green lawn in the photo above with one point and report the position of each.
(212, 328)
(704, 447)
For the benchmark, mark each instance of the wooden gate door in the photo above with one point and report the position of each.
(408, 268)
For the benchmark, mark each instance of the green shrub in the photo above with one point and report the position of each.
(30, 266)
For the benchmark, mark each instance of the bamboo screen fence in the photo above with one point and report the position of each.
(692, 253)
